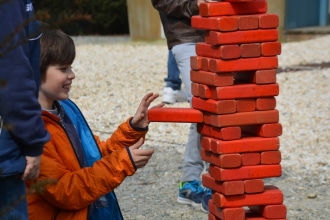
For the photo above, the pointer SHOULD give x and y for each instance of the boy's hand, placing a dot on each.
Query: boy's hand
(140, 118)
(140, 156)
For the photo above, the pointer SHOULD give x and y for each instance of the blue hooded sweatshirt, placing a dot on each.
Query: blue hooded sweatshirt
(22, 131)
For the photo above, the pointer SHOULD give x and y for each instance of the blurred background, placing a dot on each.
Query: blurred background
(299, 19)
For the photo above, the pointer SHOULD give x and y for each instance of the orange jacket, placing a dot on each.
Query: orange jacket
(76, 188)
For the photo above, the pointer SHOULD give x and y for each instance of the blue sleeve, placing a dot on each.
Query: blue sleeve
(19, 107)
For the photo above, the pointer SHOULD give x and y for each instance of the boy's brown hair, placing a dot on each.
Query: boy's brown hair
(57, 48)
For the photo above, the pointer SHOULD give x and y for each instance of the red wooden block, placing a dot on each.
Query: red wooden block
(205, 63)
(227, 133)
(210, 78)
(223, 23)
(271, 196)
(196, 62)
(254, 186)
(226, 188)
(215, 106)
(205, 142)
(245, 118)
(230, 133)
(271, 157)
(194, 89)
(233, 188)
(268, 21)
(243, 64)
(266, 103)
(248, 22)
(187, 115)
(245, 172)
(225, 161)
(207, 36)
(270, 211)
(264, 130)
(250, 50)
(270, 49)
(242, 91)
(207, 117)
(257, 77)
(236, 8)
(245, 105)
(250, 159)
(244, 145)
(206, 156)
(230, 161)
(200, 90)
(236, 213)
(221, 52)
(204, 91)
(241, 37)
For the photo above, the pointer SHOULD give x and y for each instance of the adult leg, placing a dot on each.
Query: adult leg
(193, 165)
(191, 190)
(172, 92)
(13, 203)
(173, 79)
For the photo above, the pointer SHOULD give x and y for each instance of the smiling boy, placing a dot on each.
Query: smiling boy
(86, 169)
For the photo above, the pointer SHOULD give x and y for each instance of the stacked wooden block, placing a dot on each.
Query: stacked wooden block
(234, 86)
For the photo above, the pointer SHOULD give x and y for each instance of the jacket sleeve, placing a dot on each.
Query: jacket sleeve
(76, 187)
(124, 136)
(177, 8)
(19, 107)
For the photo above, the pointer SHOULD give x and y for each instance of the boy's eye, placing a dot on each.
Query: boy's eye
(66, 68)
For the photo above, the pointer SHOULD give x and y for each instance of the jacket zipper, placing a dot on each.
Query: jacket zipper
(62, 126)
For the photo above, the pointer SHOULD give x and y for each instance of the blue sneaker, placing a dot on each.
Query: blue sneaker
(205, 200)
(190, 193)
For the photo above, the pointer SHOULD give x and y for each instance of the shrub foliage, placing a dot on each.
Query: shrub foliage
(85, 17)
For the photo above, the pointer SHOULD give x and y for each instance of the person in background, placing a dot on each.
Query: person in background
(85, 169)
(22, 131)
(172, 92)
(181, 40)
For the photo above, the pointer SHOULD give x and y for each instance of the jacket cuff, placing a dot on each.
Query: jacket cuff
(130, 157)
(137, 128)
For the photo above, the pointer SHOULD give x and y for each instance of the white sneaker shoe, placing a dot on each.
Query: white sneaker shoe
(171, 96)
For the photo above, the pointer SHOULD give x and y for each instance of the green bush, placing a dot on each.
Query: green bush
(85, 17)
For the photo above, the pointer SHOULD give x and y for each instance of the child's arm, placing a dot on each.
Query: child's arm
(76, 187)
(129, 132)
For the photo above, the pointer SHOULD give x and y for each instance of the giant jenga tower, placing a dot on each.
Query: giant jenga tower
(234, 87)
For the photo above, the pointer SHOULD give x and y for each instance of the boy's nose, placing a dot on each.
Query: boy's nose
(71, 75)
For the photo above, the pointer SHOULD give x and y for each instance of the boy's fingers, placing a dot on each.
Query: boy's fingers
(137, 144)
(160, 105)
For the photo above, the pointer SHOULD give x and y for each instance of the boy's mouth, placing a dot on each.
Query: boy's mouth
(67, 86)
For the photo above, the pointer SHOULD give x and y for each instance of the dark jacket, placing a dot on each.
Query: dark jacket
(22, 131)
(176, 16)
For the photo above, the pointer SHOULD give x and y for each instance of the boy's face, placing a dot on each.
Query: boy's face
(56, 84)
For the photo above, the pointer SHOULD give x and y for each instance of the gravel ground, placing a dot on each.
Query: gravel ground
(113, 74)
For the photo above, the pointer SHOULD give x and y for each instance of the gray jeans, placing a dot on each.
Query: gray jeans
(193, 165)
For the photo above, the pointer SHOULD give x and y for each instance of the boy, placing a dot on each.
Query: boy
(86, 170)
